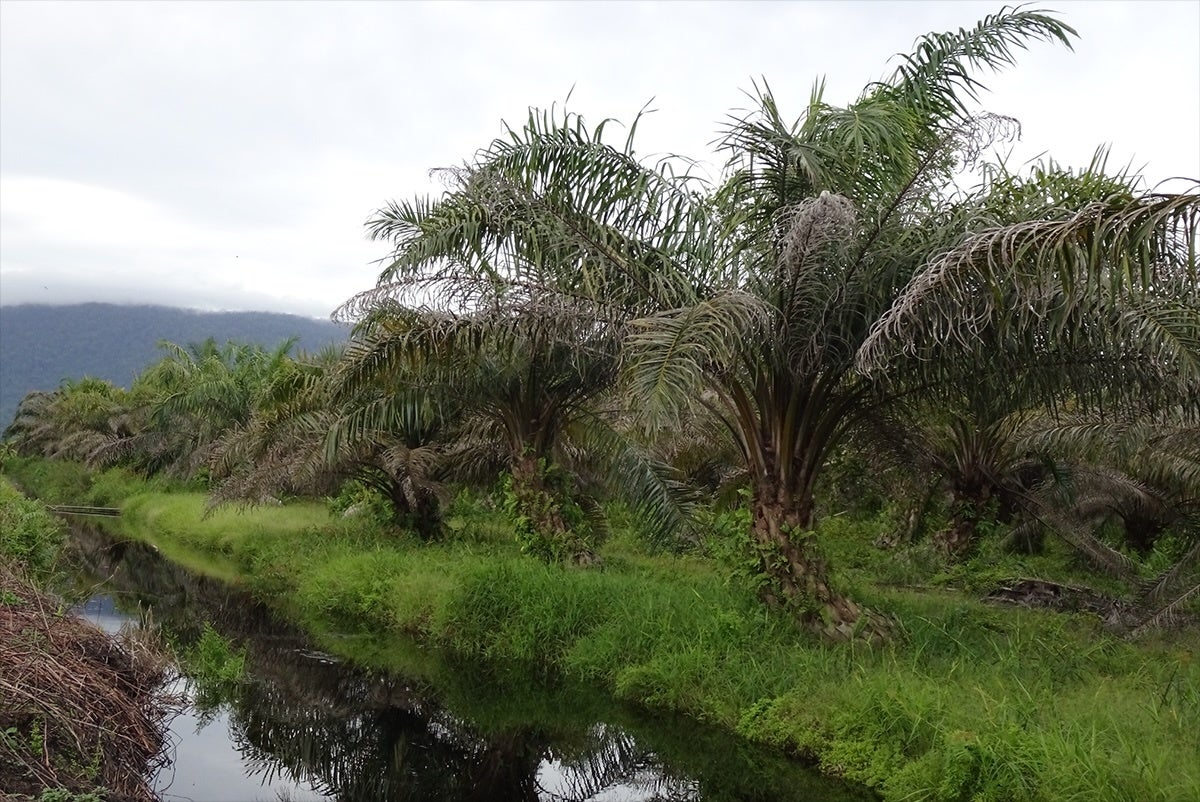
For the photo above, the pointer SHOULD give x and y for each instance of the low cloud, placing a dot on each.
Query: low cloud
(226, 155)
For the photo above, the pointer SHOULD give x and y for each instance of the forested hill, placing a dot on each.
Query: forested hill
(40, 345)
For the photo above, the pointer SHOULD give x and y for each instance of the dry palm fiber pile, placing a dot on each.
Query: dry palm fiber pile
(79, 709)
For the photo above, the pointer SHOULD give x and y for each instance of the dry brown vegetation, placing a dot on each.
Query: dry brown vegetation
(79, 709)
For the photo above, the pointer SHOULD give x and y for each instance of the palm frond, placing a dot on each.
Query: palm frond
(553, 206)
(1095, 551)
(1169, 581)
(1035, 276)
(668, 355)
(1165, 615)
(664, 505)
(938, 77)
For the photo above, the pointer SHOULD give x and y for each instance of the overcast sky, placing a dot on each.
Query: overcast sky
(225, 155)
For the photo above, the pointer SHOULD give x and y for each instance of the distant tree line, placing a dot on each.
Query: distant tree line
(42, 344)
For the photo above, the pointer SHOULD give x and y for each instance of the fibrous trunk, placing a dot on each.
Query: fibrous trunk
(968, 507)
(1141, 533)
(796, 576)
(542, 526)
(416, 506)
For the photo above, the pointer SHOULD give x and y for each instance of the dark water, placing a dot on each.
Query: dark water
(310, 726)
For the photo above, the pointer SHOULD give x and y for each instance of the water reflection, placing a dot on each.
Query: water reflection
(310, 725)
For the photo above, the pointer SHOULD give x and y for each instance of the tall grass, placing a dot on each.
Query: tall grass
(973, 703)
(29, 535)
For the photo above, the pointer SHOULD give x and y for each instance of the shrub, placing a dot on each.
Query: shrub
(28, 533)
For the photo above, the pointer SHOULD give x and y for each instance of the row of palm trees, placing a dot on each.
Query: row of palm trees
(858, 278)
(169, 422)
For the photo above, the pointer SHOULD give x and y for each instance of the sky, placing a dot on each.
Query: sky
(225, 156)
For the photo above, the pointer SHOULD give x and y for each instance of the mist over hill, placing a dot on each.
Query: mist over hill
(40, 345)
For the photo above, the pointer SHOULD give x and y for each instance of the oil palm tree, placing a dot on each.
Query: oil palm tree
(75, 422)
(506, 296)
(197, 393)
(1140, 472)
(303, 439)
(871, 274)
(837, 267)
(526, 385)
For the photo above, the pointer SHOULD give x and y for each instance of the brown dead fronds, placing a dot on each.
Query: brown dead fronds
(79, 709)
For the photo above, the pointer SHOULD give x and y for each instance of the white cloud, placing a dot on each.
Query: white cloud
(227, 154)
(64, 240)
(80, 215)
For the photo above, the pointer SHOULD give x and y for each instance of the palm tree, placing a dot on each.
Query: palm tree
(195, 395)
(854, 242)
(78, 421)
(1141, 471)
(520, 381)
(497, 300)
(303, 439)
(837, 267)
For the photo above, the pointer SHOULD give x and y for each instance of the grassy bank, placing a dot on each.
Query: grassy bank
(975, 702)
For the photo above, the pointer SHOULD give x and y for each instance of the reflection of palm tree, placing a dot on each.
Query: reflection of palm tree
(360, 735)
(613, 758)
(504, 766)
(353, 751)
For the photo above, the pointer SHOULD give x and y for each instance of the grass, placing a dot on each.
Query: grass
(29, 535)
(974, 703)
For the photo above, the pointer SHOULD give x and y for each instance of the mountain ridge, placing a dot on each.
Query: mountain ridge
(43, 344)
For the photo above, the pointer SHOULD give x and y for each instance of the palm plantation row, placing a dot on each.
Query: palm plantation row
(1013, 353)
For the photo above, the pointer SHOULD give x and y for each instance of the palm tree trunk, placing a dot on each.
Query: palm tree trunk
(534, 498)
(415, 507)
(968, 507)
(426, 511)
(796, 576)
(1141, 533)
(543, 528)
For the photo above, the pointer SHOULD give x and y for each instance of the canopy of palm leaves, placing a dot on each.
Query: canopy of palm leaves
(837, 266)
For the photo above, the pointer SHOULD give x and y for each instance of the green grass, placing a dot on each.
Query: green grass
(983, 705)
(29, 535)
(974, 703)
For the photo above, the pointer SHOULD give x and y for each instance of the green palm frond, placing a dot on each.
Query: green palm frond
(1169, 581)
(400, 417)
(1165, 615)
(1135, 256)
(550, 206)
(1166, 329)
(876, 148)
(1171, 592)
(1081, 537)
(938, 77)
(669, 356)
(665, 506)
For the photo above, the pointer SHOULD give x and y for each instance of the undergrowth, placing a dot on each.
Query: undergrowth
(972, 703)
(29, 535)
